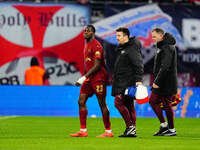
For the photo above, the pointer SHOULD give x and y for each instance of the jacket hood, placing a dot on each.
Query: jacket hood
(131, 40)
(167, 39)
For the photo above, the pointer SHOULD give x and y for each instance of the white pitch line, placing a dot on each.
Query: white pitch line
(7, 117)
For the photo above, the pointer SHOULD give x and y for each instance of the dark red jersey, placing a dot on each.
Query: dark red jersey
(92, 51)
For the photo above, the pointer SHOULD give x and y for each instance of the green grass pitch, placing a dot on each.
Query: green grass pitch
(52, 133)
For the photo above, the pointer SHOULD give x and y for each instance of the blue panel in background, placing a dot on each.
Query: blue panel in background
(63, 101)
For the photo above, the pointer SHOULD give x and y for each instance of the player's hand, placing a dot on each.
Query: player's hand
(155, 86)
(80, 81)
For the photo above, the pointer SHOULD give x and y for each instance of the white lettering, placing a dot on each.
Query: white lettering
(191, 33)
(192, 58)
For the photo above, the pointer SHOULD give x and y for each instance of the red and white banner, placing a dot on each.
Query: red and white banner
(52, 33)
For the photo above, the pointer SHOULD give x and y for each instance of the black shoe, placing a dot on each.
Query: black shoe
(129, 132)
(161, 131)
(169, 133)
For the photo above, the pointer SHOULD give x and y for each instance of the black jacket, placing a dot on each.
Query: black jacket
(165, 66)
(128, 67)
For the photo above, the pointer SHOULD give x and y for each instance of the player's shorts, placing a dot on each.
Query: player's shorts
(90, 88)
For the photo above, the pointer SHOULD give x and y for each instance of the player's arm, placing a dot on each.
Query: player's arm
(94, 69)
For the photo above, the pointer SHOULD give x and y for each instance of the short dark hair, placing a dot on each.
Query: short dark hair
(159, 30)
(92, 27)
(34, 61)
(124, 30)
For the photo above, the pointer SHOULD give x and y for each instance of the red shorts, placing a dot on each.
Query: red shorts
(97, 87)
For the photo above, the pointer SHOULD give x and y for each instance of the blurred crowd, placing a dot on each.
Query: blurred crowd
(147, 1)
(84, 2)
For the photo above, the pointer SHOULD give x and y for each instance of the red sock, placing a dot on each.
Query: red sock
(83, 118)
(106, 121)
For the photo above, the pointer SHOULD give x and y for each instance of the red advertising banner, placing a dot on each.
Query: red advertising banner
(52, 33)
